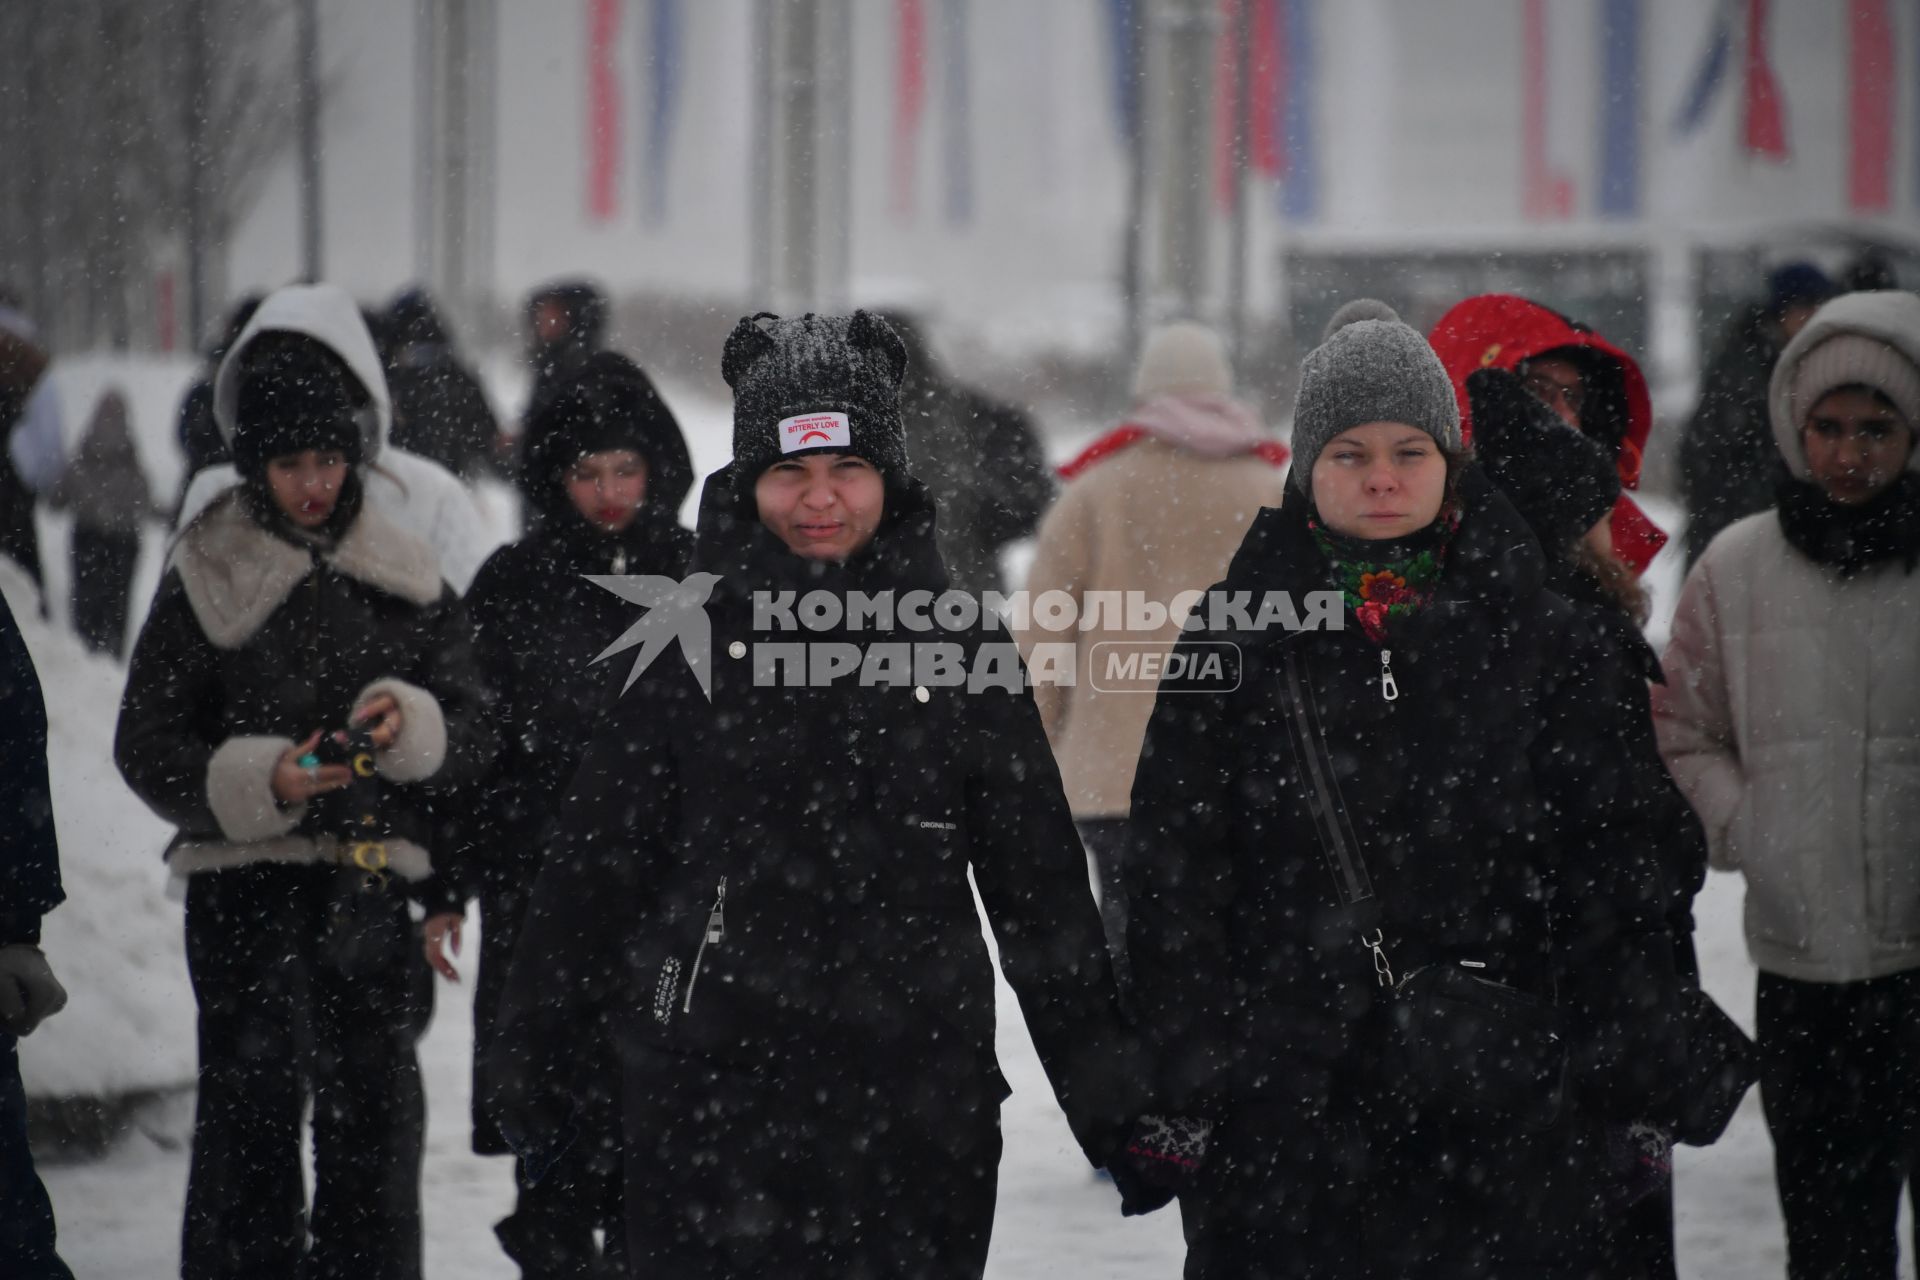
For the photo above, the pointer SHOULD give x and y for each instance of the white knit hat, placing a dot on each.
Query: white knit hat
(1853, 359)
(1858, 339)
(1184, 358)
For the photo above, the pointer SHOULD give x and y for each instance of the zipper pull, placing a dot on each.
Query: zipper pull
(620, 560)
(1389, 690)
(1382, 970)
(715, 934)
(716, 919)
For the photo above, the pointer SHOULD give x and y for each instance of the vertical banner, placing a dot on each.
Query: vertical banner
(909, 101)
(1548, 193)
(662, 62)
(165, 311)
(957, 104)
(1126, 69)
(603, 110)
(1709, 73)
(1262, 99)
(1871, 90)
(1620, 108)
(1765, 130)
(1298, 60)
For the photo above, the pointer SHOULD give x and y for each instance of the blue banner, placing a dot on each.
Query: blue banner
(1620, 108)
(662, 62)
(1707, 77)
(1300, 188)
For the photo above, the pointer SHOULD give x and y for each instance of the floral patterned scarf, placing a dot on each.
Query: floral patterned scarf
(1386, 582)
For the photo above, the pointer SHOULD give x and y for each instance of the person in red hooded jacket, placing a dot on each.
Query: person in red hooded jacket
(1595, 387)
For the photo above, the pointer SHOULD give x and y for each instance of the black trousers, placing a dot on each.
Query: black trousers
(1840, 1078)
(309, 988)
(826, 1176)
(102, 581)
(1105, 840)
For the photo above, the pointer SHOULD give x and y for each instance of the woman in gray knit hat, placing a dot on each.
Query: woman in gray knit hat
(1425, 800)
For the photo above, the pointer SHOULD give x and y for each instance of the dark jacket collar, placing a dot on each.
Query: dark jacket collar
(729, 540)
(1493, 561)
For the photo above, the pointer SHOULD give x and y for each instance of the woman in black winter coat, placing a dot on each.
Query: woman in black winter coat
(1471, 731)
(1564, 486)
(761, 882)
(291, 614)
(607, 471)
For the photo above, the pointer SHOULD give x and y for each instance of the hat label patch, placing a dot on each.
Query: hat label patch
(815, 431)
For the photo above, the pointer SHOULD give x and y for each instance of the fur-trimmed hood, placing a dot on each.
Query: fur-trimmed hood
(326, 314)
(236, 573)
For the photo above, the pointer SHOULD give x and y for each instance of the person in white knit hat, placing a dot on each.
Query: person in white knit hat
(1791, 718)
(1156, 506)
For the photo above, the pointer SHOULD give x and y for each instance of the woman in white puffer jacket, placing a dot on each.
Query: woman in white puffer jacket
(1791, 718)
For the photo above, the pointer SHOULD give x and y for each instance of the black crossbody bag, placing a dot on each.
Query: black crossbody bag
(1460, 1043)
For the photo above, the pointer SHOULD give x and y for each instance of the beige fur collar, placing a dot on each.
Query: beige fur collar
(236, 573)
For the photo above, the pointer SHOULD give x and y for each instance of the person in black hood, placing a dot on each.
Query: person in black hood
(761, 881)
(1729, 463)
(300, 694)
(440, 410)
(1428, 797)
(980, 457)
(566, 323)
(606, 476)
(1564, 486)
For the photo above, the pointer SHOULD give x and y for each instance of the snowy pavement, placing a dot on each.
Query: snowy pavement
(119, 1217)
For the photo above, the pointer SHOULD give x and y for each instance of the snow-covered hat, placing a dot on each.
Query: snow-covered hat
(816, 384)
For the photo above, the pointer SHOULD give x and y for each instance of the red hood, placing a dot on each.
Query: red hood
(1499, 331)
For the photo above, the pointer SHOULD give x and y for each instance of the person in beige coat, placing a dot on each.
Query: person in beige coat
(1791, 718)
(1155, 507)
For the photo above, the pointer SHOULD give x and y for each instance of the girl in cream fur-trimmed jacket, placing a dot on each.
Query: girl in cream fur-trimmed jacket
(290, 613)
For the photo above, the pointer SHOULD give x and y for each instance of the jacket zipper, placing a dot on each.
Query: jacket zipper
(1389, 689)
(715, 932)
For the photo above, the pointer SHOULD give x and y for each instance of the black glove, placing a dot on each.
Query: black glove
(1721, 1066)
(538, 1119)
(1161, 1158)
(29, 993)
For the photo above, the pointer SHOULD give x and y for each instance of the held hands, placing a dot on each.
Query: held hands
(1160, 1160)
(29, 993)
(298, 777)
(442, 942)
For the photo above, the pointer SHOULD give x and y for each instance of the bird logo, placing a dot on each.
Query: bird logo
(675, 610)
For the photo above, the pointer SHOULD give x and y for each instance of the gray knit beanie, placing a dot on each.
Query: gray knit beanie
(1374, 369)
(1357, 309)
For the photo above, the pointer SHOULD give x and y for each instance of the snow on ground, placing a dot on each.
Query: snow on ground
(117, 945)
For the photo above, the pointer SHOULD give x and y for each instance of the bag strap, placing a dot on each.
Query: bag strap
(1338, 843)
